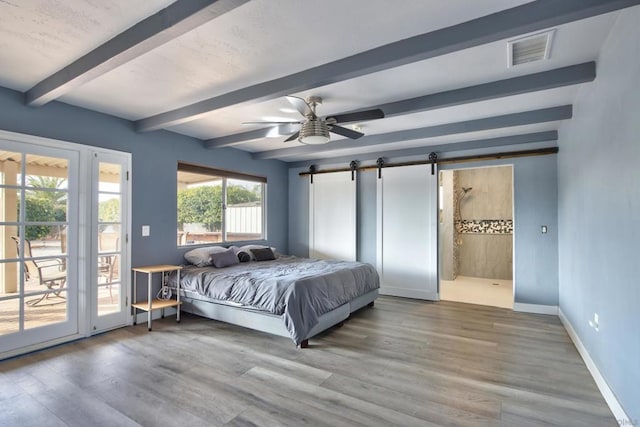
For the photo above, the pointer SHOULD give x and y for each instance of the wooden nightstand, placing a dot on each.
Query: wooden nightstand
(151, 303)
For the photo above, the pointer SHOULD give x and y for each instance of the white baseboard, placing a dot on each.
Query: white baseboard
(605, 390)
(536, 308)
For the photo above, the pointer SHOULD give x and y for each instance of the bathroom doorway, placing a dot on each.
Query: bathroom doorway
(476, 235)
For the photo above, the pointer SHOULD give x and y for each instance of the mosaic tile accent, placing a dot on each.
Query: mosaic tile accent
(485, 226)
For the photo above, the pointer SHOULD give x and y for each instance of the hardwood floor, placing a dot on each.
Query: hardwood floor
(404, 362)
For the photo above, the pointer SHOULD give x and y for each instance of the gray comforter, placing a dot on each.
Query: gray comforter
(299, 289)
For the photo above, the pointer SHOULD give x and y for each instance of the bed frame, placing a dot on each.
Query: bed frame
(267, 322)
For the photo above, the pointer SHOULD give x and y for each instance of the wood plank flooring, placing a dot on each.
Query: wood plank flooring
(404, 362)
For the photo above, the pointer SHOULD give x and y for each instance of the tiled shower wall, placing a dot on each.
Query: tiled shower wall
(484, 233)
(447, 239)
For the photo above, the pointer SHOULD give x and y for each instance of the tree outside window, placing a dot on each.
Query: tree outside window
(204, 216)
(44, 205)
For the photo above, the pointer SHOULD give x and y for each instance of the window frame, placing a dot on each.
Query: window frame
(225, 175)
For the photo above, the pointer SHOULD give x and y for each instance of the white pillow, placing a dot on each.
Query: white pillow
(247, 249)
(201, 256)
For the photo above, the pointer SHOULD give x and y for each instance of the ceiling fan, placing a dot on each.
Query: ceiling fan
(315, 130)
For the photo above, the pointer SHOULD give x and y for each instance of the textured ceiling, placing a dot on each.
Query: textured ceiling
(39, 37)
(263, 40)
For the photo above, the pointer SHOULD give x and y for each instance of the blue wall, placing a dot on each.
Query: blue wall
(154, 158)
(536, 204)
(535, 188)
(599, 213)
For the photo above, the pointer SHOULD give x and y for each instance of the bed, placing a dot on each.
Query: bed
(287, 296)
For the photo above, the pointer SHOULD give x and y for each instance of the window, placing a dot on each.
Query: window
(219, 206)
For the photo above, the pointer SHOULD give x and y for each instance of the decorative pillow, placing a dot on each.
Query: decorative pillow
(224, 259)
(243, 256)
(200, 256)
(264, 254)
(248, 248)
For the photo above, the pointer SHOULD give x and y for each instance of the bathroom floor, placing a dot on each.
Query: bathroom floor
(477, 290)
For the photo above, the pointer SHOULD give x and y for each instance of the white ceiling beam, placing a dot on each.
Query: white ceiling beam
(522, 19)
(497, 122)
(173, 21)
(552, 79)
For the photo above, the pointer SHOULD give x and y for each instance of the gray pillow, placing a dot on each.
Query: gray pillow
(224, 259)
(264, 254)
(201, 256)
(243, 256)
(247, 249)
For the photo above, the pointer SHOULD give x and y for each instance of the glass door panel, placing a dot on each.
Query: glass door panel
(38, 282)
(108, 269)
(110, 234)
(10, 269)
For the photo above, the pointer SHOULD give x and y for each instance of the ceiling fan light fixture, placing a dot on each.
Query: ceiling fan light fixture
(314, 132)
(314, 139)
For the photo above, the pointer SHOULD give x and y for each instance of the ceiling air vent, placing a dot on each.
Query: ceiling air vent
(530, 48)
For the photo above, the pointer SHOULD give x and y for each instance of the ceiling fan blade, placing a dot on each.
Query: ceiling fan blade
(293, 137)
(358, 116)
(280, 130)
(301, 105)
(345, 132)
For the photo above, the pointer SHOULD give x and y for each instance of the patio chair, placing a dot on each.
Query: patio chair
(49, 272)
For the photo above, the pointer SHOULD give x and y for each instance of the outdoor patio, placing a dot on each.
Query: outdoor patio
(48, 313)
(53, 308)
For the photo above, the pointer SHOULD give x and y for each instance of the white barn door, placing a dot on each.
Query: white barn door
(332, 216)
(407, 232)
